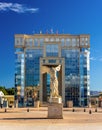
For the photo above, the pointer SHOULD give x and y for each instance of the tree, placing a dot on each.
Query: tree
(10, 91)
(2, 88)
(7, 91)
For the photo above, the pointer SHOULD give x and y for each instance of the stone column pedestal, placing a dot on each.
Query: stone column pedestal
(70, 104)
(36, 104)
(16, 103)
(55, 111)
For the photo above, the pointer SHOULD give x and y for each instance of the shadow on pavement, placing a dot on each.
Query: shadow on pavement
(24, 118)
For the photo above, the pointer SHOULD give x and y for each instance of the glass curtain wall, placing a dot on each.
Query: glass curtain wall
(71, 75)
(32, 64)
(52, 50)
(84, 76)
(32, 71)
(74, 49)
(19, 75)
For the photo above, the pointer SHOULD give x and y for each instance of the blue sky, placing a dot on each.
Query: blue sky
(66, 16)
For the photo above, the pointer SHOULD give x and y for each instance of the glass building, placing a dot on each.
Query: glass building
(33, 52)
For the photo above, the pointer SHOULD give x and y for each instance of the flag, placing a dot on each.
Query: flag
(51, 31)
(57, 32)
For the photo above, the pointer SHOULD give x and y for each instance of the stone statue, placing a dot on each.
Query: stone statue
(54, 81)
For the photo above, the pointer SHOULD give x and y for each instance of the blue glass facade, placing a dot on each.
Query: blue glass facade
(52, 50)
(32, 64)
(75, 51)
(84, 76)
(72, 74)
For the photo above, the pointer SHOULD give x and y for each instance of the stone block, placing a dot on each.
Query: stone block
(55, 111)
(70, 104)
(55, 100)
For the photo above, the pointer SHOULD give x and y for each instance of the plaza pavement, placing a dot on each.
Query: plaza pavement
(36, 119)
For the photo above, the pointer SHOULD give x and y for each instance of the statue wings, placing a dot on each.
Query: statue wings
(46, 69)
(58, 67)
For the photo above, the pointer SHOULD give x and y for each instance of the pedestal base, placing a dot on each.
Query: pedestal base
(70, 104)
(55, 100)
(55, 111)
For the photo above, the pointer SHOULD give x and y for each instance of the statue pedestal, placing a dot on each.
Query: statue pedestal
(55, 100)
(55, 111)
(55, 108)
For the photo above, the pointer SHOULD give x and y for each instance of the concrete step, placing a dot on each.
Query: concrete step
(44, 104)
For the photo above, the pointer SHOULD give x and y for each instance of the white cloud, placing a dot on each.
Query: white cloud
(92, 58)
(15, 7)
(96, 59)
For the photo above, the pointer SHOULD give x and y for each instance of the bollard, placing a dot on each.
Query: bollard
(28, 110)
(90, 112)
(96, 110)
(84, 110)
(73, 110)
(5, 110)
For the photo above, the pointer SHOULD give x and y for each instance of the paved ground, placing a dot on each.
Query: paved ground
(36, 119)
(50, 127)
